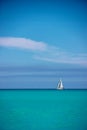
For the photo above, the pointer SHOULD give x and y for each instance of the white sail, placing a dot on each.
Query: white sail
(60, 85)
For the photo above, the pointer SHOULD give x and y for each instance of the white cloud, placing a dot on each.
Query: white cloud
(57, 56)
(22, 43)
(66, 60)
(44, 51)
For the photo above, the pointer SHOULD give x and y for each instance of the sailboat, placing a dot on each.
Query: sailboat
(60, 85)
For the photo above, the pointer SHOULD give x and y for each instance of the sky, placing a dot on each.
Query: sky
(38, 38)
(39, 32)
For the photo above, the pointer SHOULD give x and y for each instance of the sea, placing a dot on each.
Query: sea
(43, 110)
(29, 99)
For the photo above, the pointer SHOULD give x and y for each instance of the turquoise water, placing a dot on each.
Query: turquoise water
(43, 110)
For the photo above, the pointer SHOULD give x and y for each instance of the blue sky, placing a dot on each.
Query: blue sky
(43, 32)
(39, 36)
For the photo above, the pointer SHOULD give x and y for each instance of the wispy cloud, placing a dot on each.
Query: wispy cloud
(45, 52)
(56, 55)
(22, 43)
(66, 59)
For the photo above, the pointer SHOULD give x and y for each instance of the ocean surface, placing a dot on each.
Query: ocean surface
(43, 110)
